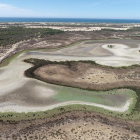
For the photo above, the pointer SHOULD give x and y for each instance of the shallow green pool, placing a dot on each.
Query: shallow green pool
(116, 97)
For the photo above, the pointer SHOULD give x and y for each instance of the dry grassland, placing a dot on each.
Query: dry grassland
(88, 76)
(69, 126)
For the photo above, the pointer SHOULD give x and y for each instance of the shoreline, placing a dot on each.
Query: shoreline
(18, 109)
(11, 53)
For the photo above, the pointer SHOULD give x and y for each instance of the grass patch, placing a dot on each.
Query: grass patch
(112, 98)
(7, 61)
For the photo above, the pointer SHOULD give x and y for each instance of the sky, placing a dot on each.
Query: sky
(110, 9)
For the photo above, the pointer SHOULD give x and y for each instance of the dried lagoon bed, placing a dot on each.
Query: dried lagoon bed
(17, 77)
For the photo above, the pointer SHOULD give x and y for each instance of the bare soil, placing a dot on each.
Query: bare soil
(89, 76)
(70, 126)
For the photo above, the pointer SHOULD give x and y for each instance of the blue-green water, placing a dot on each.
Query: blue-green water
(76, 20)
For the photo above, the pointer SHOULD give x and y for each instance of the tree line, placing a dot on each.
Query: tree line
(13, 35)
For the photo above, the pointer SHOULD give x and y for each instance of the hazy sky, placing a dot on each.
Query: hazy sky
(128, 9)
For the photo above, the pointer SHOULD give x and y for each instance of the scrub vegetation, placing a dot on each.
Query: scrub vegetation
(84, 72)
(13, 35)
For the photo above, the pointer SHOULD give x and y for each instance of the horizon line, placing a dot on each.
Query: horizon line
(76, 18)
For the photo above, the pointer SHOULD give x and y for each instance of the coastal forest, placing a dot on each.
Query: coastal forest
(13, 35)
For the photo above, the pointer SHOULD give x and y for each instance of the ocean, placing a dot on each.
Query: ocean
(68, 20)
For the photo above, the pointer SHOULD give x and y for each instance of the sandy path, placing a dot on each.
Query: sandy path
(4, 55)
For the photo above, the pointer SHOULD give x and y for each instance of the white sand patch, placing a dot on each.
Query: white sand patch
(11, 107)
(122, 50)
(9, 86)
(43, 92)
(66, 28)
(116, 63)
(123, 55)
